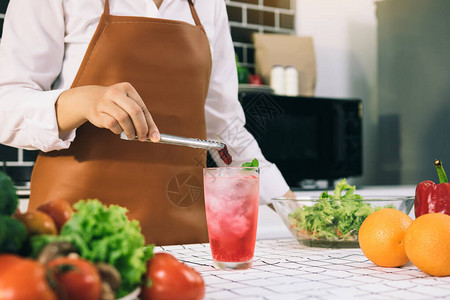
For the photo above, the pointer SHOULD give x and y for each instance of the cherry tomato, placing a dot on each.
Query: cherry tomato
(78, 278)
(6, 260)
(23, 279)
(170, 279)
(37, 222)
(60, 210)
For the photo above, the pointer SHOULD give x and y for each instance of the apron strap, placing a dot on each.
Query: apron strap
(106, 8)
(194, 14)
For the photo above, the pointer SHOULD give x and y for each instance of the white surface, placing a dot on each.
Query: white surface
(345, 42)
(24, 194)
(134, 295)
(270, 225)
(284, 269)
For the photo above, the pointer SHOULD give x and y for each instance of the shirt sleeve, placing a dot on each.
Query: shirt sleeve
(31, 56)
(225, 116)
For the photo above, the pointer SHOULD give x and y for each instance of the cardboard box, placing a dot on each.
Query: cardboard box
(286, 50)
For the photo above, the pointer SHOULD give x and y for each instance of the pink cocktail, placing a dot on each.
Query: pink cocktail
(231, 200)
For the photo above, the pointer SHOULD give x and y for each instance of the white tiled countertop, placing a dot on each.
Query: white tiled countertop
(284, 269)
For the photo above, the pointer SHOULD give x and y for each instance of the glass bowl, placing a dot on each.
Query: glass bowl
(329, 223)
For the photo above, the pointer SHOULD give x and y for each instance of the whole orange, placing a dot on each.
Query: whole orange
(427, 244)
(381, 237)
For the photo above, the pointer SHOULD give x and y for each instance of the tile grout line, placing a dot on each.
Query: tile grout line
(260, 27)
(240, 44)
(277, 19)
(17, 164)
(262, 7)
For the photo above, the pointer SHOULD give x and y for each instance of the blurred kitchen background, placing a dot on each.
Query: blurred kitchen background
(394, 55)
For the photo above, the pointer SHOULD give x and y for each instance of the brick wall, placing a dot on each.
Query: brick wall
(262, 16)
(246, 17)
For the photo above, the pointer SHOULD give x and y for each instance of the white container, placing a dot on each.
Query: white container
(290, 81)
(277, 79)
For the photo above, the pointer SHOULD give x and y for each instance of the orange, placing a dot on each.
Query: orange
(381, 237)
(427, 244)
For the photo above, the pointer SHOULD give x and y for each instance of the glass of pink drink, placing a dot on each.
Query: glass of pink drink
(231, 201)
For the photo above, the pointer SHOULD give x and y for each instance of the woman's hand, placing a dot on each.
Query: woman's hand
(289, 194)
(117, 107)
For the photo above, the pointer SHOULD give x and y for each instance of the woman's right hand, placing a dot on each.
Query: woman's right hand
(117, 107)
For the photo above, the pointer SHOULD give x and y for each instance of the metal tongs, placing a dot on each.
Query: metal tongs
(181, 141)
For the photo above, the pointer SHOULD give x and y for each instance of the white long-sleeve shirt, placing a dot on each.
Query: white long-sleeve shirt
(43, 45)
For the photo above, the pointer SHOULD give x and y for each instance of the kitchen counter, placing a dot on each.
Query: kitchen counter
(284, 269)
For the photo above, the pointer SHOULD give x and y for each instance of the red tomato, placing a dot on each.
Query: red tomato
(23, 279)
(37, 222)
(60, 210)
(6, 260)
(78, 278)
(171, 279)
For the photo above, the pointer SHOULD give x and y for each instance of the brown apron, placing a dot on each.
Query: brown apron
(169, 64)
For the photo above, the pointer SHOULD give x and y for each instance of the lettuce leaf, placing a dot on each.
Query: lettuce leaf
(341, 187)
(334, 216)
(105, 234)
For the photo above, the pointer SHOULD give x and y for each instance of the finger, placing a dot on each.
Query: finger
(121, 117)
(153, 131)
(111, 123)
(135, 114)
(152, 128)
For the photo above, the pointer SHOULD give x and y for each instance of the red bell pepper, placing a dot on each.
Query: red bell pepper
(431, 197)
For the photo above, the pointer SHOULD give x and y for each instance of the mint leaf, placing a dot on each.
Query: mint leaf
(253, 164)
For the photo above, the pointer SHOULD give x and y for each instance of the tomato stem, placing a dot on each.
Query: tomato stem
(63, 268)
(51, 280)
(440, 171)
(148, 283)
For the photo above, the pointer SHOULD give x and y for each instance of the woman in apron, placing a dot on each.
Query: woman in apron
(140, 75)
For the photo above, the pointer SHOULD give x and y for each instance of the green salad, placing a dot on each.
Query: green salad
(103, 233)
(335, 216)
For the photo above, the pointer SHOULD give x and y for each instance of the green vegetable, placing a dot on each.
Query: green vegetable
(333, 217)
(8, 196)
(341, 187)
(12, 232)
(12, 235)
(253, 164)
(105, 234)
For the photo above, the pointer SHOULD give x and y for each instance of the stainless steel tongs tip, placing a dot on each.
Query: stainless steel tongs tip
(181, 141)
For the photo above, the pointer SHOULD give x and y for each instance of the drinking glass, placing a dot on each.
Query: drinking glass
(231, 201)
